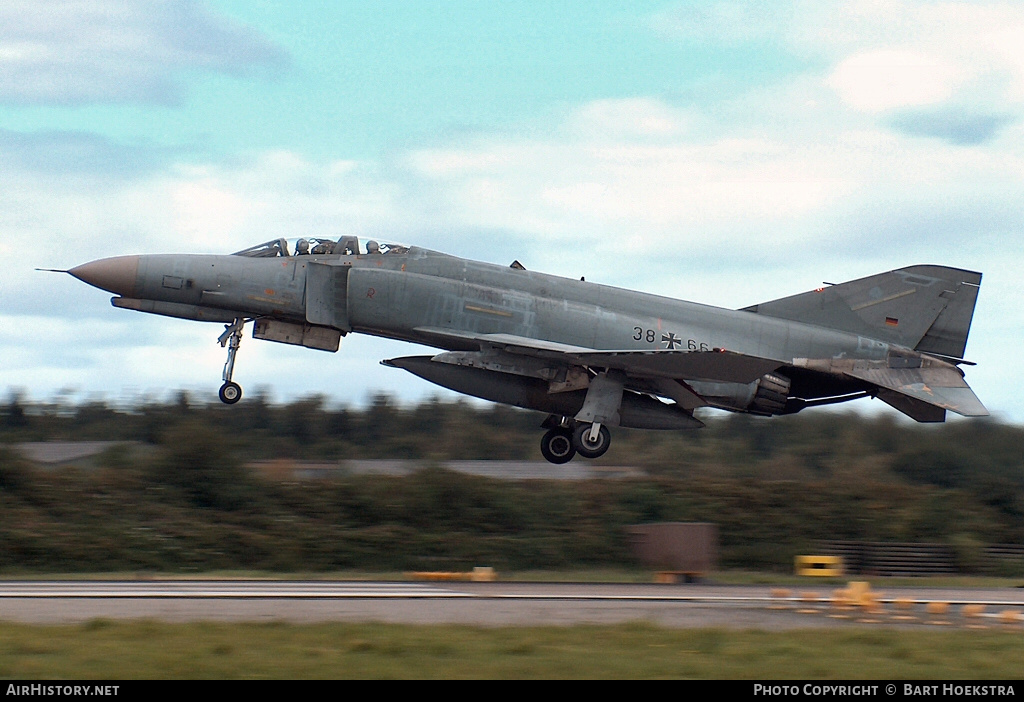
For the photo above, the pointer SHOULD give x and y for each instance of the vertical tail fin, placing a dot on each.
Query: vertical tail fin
(928, 308)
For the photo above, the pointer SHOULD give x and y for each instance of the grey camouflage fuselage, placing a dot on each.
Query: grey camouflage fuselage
(580, 351)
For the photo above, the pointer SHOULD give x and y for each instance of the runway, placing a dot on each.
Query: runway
(489, 604)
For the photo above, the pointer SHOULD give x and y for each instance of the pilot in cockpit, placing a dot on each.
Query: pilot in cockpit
(347, 245)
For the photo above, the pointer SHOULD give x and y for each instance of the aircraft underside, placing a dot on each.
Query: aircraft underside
(578, 419)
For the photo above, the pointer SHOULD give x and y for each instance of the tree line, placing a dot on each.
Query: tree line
(181, 499)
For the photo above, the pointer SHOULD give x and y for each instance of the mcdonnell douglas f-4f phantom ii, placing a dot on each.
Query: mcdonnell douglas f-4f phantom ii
(590, 356)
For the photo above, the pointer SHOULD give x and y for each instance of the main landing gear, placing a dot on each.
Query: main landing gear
(231, 392)
(557, 446)
(591, 440)
(586, 433)
(566, 437)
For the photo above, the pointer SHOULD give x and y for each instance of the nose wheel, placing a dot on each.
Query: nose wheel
(231, 392)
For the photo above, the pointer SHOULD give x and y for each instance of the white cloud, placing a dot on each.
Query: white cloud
(201, 208)
(686, 192)
(875, 81)
(117, 50)
(904, 53)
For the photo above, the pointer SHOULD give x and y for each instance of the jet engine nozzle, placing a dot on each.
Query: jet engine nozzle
(116, 275)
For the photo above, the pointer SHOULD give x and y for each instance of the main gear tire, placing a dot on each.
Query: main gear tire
(591, 449)
(557, 446)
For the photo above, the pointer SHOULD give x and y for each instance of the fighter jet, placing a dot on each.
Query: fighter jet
(589, 356)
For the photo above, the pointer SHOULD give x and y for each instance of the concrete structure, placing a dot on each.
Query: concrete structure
(677, 548)
(67, 453)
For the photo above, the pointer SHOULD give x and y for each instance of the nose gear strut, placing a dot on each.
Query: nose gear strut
(231, 392)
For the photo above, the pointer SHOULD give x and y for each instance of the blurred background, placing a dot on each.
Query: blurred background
(186, 486)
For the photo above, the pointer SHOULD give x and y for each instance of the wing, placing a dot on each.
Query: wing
(921, 387)
(718, 365)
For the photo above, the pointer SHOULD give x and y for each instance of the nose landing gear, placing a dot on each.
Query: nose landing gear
(231, 392)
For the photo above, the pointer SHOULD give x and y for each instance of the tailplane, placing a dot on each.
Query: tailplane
(927, 308)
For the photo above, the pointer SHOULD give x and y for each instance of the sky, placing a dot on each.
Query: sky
(723, 152)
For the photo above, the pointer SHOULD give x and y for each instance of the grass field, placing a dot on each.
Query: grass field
(103, 649)
(118, 650)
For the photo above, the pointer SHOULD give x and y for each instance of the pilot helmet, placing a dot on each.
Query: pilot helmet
(372, 247)
(302, 246)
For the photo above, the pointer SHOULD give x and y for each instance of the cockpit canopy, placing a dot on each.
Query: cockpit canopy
(345, 246)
